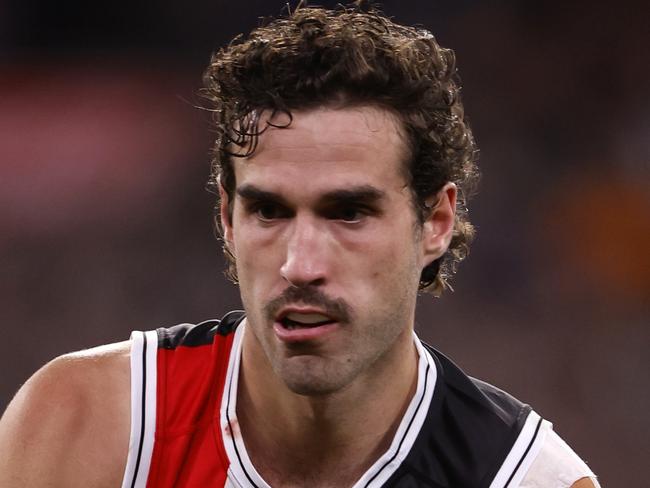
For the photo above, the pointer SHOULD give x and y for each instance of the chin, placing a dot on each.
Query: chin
(311, 389)
(303, 377)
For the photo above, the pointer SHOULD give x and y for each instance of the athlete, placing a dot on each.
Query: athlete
(343, 163)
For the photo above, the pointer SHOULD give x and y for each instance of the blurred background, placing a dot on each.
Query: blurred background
(105, 226)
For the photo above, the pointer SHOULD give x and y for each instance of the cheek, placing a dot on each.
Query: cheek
(252, 263)
(258, 260)
(398, 264)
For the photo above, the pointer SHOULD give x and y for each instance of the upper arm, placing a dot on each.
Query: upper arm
(57, 431)
(41, 425)
(584, 483)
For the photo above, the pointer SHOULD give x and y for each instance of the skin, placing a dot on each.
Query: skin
(292, 207)
(368, 255)
(68, 426)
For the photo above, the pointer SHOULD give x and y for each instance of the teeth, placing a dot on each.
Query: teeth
(307, 318)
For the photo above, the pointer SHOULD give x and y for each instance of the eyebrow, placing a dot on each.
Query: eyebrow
(252, 192)
(362, 193)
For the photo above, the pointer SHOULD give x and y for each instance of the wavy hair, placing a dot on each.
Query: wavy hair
(314, 57)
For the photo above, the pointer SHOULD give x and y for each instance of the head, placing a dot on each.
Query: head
(317, 57)
(343, 161)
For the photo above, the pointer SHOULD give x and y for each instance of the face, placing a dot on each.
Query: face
(328, 248)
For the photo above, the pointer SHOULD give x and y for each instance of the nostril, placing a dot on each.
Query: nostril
(317, 282)
(293, 285)
(302, 282)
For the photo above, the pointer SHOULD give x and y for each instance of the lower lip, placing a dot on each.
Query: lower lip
(303, 334)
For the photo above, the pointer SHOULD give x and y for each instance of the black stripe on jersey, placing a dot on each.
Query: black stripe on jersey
(408, 428)
(521, 460)
(230, 321)
(232, 434)
(188, 335)
(144, 404)
(201, 334)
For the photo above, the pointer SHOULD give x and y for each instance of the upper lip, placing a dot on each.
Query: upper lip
(295, 309)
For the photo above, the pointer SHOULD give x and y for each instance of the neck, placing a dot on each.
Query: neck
(321, 437)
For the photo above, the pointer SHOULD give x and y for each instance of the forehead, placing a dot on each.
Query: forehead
(328, 144)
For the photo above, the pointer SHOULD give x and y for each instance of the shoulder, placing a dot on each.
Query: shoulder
(472, 431)
(558, 465)
(473, 401)
(509, 442)
(69, 423)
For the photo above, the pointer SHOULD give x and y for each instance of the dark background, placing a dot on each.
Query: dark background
(105, 226)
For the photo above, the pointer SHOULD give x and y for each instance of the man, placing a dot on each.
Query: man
(343, 162)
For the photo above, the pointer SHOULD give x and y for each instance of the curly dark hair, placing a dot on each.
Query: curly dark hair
(314, 57)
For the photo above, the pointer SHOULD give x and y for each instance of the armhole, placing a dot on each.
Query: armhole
(144, 349)
(523, 452)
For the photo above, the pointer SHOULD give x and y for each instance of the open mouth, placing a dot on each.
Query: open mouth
(297, 320)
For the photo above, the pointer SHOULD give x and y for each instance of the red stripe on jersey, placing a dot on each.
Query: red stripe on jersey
(188, 449)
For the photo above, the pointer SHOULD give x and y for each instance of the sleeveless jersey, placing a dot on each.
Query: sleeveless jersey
(457, 432)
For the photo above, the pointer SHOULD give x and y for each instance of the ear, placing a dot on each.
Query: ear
(438, 227)
(224, 213)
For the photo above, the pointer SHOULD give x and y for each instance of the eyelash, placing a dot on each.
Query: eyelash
(334, 213)
(359, 211)
(257, 209)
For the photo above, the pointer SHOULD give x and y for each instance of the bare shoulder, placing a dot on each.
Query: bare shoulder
(69, 423)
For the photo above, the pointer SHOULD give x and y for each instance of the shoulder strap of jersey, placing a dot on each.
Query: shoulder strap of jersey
(475, 435)
(144, 349)
(144, 353)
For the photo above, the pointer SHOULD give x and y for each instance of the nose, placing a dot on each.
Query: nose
(307, 261)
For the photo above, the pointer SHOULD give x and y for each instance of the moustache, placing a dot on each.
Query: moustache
(336, 308)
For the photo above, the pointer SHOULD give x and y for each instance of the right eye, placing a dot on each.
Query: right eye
(267, 212)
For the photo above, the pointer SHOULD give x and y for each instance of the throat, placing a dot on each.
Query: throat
(320, 462)
(315, 449)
